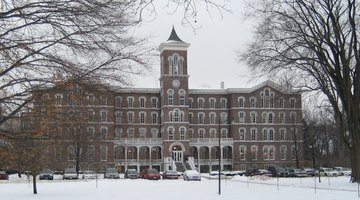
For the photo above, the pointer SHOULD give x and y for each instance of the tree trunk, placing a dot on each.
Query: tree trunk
(34, 184)
(355, 161)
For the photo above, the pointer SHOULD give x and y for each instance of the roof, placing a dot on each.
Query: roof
(174, 36)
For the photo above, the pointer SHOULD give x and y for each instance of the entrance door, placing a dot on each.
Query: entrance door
(177, 153)
(177, 156)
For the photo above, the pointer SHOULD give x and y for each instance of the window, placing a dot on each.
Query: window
(242, 134)
(223, 103)
(201, 103)
(182, 97)
(131, 133)
(182, 133)
(154, 102)
(282, 102)
(118, 132)
(118, 152)
(91, 99)
(267, 98)
(91, 153)
(241, 117)
(271, 153)
(242, 152)
(118, 116)
(142, 117)
(190, 118)
(58, 99)
(117, 102)
(103, 133)
(254, 150)
(283, 152)
(212, 118)
(170, 97)
(213, 133)
(293, 117)
(282, 134)
(212, 103)
(103, 153)
(265, 134)
(91, 116)
(265, 153)
(224, 133)
(103, 115)
(103, 100)
(154, 117)
(282, 118)
(271, 135)
(154, 133)
(292, 103)
(252, 102)
(241, 102)
(201, 133)
(176, 115)
(130, 117)
(293, 152)
(253, 134)
(171, 133)
(201, 118)
(142, 102)
(130, 102)
(91, 132)
(253, 117)
(190, 102)
(142, 133)
(270, 118)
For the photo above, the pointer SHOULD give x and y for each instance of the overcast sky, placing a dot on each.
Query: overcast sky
(212, 52)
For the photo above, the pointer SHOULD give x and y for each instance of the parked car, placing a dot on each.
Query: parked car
(257, 172)
(132, 174)
(170, 174)
(89, 174)
(300, 173)
(278, 171)
(70, 173)
(324, 171)
(46, 174)
(111, 173)
(309, 171)
(4, 175)
(191, 175)
(149, 173)
(290, 172)
(343, 171)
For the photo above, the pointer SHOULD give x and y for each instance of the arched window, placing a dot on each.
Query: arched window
(182, 133)
(170, 97)
(242, 152)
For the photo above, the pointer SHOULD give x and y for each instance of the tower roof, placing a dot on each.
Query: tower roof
(174, 36)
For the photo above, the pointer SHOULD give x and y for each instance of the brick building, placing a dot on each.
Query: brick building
(174, 126)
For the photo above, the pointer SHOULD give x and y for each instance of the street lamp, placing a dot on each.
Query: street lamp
(219, 175)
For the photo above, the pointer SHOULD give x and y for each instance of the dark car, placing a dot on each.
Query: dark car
(4, 175)
(131, 174)
(310, 171)
(278, 171)
(257, 172)
(170, 174)
(111, 173)
(152, 174)
(46, 174)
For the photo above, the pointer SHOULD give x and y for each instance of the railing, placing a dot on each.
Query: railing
(138, 161)
(147, 141)
(211, 141)
(191, 163)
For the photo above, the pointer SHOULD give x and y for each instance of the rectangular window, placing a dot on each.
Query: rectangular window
(253, 134)
(201, 103)
(242, 134)
(201, 118)
(252, 102)
(242, 153)
(190, 102)
(212, 103)
(130, 117)
(223, 103)
(118, 115)
(282, 134)
(154, 102)
(241, 102)
(292, 103)
(190, 118)
(118, 132)
(142, 102)
(241, 117)
(103, 101)
(282, 103)
(253, 118)
(201, 133)
(154, 118)
(103, 115)
(282, 118)
(212, 118)
(103, 133)
(130, 102)
(118, 102)
(142, 118)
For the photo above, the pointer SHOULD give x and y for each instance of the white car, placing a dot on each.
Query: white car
(328, 172)
(89, 174)
(191, 175)
(344, 171)
(70, 173)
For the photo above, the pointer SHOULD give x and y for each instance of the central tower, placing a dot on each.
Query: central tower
(174, 88)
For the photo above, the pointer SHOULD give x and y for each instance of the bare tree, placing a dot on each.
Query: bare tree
(319, 42)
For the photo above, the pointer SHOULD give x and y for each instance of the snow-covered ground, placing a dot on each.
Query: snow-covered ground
(239, 187)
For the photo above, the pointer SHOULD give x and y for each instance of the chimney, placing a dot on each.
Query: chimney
(222, 85)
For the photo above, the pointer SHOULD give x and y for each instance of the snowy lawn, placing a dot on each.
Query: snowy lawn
(254, 188)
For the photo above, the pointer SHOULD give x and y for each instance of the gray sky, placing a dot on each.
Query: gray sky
(212, 52)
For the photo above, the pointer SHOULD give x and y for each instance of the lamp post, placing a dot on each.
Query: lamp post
(219, 175)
